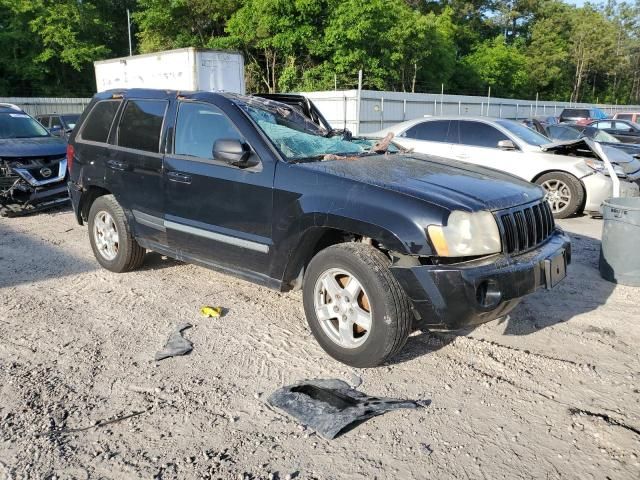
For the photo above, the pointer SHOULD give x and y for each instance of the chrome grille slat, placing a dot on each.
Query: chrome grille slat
(526, 227)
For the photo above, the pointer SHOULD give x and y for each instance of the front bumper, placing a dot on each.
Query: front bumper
(451, 296)
(599, 188)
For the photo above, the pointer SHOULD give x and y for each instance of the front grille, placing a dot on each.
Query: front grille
(36, 172)
(526, 227)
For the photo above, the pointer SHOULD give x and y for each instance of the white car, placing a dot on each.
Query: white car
(572, 173)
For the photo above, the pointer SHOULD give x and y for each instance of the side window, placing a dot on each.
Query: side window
(44, 120)
(479, 134)
(603, 125)
(98, 123)
(622, 127)
(624, 116)
(432, 131)
(140, 125)
(198, 127)
(55, 122)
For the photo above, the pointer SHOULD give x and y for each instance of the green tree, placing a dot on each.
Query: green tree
(167, 24)
(395, 46)
(499, 65)
(278, 37)
(52, 45)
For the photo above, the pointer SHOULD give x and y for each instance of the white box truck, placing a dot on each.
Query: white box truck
(181, 69)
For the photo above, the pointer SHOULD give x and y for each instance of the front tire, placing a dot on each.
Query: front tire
(355, 308)
(564, 193)
(111, 238)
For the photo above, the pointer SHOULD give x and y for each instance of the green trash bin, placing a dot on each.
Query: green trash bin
(620, 247)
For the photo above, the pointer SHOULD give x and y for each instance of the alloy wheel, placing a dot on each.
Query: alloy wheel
(106, 235)
(558, 195)
(342, 307)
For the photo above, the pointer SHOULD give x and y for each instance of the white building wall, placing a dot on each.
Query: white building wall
(379, 110)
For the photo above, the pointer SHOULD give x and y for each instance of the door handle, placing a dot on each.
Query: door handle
(179, 177)
(117, 165)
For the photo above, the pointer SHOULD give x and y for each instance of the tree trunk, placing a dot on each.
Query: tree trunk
(415, 74)
(273, 73)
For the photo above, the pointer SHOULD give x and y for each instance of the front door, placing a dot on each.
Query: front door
(215, 212)
(478, 144)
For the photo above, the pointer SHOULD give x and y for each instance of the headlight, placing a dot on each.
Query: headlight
(598, 166)
(466, 234)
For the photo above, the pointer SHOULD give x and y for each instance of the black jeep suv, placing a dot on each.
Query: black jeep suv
(379, 240)
(33, 166)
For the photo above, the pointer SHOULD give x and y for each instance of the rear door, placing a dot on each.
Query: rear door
(92, 150)
(433, 137)
(215, 212)
(134, 171)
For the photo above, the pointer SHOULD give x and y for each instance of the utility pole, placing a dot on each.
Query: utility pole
(359, 99)
(488, 100)
(129, 31)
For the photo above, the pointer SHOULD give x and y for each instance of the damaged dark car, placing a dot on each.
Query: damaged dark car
(380, 240)
(33, 166)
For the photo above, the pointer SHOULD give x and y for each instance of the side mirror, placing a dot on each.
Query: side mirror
(234, 153)
(506, 145)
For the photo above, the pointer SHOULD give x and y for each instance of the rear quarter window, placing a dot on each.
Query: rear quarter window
(141, 124)
(98, 124)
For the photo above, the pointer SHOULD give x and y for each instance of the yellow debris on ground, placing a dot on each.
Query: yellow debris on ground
(211, 312)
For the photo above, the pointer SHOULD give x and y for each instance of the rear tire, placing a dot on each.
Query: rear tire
(111, 238)
(361, 324)
(564, 193)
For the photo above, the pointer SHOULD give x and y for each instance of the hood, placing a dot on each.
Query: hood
(565, 146)
(32, 147)
(448, 183)
(632, 149)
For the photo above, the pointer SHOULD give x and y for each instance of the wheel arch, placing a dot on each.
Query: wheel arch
(565, 172)
(89, 195)
(316, 239)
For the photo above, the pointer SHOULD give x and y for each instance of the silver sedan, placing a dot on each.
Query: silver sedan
(572, 173)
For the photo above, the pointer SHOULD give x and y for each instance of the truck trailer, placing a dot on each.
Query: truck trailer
(181, 69)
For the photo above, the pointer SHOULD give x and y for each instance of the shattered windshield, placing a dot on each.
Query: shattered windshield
(297, 137)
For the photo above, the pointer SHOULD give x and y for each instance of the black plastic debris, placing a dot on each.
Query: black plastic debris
(332, 407)
(176, 345)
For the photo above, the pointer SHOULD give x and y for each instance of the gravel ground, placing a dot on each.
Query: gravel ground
(552, 391)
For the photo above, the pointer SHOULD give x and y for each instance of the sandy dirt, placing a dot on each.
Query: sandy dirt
(552, 391)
